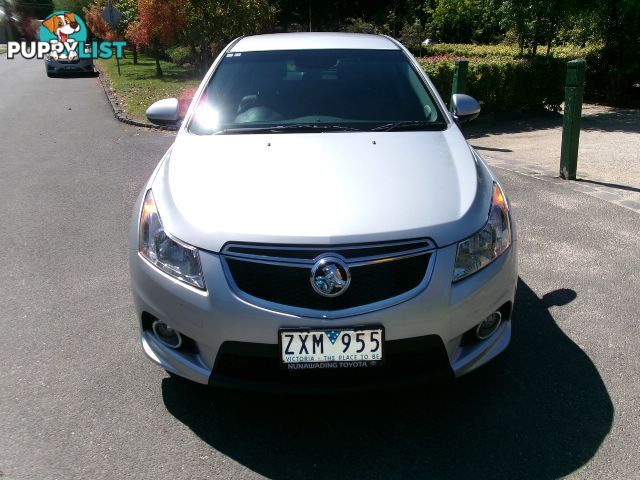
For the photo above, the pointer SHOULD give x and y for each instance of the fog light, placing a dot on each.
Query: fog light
(167, 335)
(488, 326)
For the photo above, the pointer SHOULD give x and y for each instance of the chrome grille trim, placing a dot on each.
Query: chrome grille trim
(327, 250)
(357, 262)
(428, 249)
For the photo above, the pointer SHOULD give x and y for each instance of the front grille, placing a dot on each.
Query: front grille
(281, 275)
(419, 357)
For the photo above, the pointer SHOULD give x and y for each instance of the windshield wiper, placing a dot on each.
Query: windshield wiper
(411, 125)
(299, 128)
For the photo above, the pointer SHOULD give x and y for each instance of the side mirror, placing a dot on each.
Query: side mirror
(164, 112)
(464, 108)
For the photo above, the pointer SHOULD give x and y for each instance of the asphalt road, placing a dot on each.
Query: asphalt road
(79, 400)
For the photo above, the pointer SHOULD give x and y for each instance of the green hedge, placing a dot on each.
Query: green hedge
(468, 50)
(180, 55)
(506, 85)
(504, 82)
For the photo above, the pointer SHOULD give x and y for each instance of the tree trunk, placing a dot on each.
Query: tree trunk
(521, 43)
(536, 38)
(194, 55)
(205, 55)
(156, 53)
(134, 51)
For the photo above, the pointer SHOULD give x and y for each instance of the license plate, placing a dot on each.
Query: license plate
(302, 349)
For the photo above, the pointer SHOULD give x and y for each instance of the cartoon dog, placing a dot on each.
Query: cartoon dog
(62, 26)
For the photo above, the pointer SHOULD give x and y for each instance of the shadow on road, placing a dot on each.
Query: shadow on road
(603, 119)
(610, 185)
(539, 411)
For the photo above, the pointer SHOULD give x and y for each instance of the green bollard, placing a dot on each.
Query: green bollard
(459, 78)
(573, 91)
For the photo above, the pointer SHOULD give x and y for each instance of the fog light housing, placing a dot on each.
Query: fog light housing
(167, 335)
(488, 326)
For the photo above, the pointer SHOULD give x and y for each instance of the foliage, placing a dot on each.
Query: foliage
(359, 25)
(158, 22)
(620, 23)
(412, 35)
(465, 20)
(213, 23)
(34, 8)
(129, 11)
(180, 55)
(604, 32)
(157, 25)
(223, 20)
(76, 6)
(568, 52)
(534, 21)
(98, 27)
(508, 54)
(505, 84)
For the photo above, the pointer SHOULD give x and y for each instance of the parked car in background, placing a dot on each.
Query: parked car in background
(65, 66)
(320, 221)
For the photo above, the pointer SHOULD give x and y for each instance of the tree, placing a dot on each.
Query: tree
(95, 23)
(464, 21)
(129, 11)
(101, 29)
(535, 21)
(158, 24)
(76, 6)
(412, 34)
(359, 25)
(620, 20)
(20, 18)
(33, 8)
(216, 22)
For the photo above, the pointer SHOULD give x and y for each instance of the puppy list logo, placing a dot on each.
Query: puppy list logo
(63, 36)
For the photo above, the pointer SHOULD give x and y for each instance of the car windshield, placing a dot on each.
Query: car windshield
(315, 90)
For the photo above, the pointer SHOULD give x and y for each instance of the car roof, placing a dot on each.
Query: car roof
(313, 41)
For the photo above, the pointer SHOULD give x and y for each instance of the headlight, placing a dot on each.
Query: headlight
(171, 256)
(479, 250)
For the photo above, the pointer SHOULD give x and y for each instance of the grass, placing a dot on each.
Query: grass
(138, 87)
(2, 49)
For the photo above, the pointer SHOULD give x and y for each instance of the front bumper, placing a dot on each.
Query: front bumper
(218, 320)
(56, 67)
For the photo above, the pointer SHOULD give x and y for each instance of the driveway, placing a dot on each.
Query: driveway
(79, 400)
(608, 157)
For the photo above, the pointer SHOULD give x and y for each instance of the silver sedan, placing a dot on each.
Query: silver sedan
(65, 66)
(321, 222)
